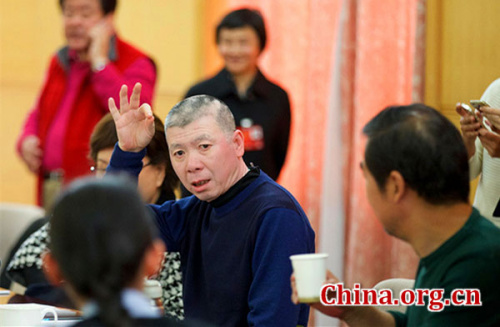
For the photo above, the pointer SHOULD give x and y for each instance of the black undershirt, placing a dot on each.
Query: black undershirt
(252, 174)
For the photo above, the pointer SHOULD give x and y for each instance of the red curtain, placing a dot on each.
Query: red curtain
(383, 66)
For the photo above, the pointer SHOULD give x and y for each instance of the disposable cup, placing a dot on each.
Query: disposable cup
(310, 274)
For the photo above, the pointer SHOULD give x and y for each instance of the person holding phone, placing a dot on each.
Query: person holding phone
(483, 148)
(82, 75)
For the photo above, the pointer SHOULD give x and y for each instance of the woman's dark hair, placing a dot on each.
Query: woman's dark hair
(107, 6)
(99, 233)
(241, 18)
(424, 147)
(104, 137)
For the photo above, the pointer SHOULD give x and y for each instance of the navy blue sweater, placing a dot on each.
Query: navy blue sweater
(235, 258)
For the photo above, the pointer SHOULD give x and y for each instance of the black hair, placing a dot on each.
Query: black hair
(107, 6)
(241, 18)
(104, 137)
(424, 147)
(99, 233)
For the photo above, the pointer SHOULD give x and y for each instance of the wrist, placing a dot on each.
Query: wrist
(127, 148)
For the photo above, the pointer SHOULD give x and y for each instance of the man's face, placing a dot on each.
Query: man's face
(205, 159)
(240, 49)
(378, 200)
(79, 16)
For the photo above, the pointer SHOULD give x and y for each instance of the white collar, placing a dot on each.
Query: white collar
(134, 301)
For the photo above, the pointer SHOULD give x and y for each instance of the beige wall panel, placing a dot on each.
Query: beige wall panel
(17, 184)
(467, 47)
(31, 31)
(169, 30)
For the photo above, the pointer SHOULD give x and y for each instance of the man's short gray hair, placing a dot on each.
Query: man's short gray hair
(197, 106)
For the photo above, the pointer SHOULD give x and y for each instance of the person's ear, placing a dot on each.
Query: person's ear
(153, 258)
(395, 186)
(51, 269)
(239, 142)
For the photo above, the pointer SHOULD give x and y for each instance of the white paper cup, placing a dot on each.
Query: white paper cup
(25, 314)
(310, 274)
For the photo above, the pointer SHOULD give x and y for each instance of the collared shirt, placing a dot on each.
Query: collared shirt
(262, 114)
(136, 304)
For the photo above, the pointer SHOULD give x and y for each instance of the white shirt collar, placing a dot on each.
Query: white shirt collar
(134, 301)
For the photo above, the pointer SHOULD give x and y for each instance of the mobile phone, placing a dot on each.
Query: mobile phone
(472, 112)
(479, 103)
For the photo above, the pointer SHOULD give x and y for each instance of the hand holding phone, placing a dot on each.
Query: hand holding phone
(478, 104)
(100, 36)
(472, 112)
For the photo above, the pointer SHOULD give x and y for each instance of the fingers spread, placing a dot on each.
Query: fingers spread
(124, 99)
(113, 110)
(136, 96)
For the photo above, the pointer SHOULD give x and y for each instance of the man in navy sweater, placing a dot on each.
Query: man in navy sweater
(237, 232)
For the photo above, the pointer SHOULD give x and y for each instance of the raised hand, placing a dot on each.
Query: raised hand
(134, 123)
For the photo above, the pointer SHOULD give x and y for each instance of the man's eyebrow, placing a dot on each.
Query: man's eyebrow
(202, 137)
(174, 146)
